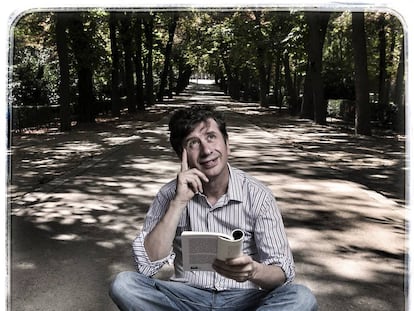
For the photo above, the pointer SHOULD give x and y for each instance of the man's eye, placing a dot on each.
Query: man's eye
(193, 143)
(211, 137)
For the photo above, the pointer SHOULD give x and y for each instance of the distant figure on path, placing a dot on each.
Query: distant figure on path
(211, 195)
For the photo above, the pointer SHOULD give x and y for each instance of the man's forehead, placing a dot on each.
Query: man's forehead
(206, 125)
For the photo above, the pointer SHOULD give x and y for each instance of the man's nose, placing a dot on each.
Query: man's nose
(205, 148)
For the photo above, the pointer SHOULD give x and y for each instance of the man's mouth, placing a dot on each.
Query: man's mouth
(209, 163)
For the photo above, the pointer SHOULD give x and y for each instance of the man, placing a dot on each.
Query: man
(210, 195)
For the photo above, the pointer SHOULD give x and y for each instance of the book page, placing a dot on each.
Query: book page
(200, 249)
(230, 248)
(199, 252)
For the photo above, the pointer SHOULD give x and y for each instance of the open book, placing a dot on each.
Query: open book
(200, 249)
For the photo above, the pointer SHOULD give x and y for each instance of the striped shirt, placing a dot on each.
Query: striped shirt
(247, 205)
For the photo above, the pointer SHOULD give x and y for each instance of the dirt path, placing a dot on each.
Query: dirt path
(73, 219)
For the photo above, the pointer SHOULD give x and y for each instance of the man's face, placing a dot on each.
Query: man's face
(207, 149)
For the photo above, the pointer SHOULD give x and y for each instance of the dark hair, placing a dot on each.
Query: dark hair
(184, 121)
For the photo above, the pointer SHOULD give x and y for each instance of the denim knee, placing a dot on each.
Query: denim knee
(120, 284)
(292, 297)
(306, 299)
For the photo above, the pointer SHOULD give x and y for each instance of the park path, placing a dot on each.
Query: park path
(71, 234)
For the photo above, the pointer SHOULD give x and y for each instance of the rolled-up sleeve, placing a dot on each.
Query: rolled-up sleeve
(142, 262)
(156, 211)
(272, 241)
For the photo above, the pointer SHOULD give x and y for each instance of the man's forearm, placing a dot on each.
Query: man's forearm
(244, 268)
(159, 241)
(267, 276)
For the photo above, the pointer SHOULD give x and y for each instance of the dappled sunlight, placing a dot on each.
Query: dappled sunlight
(376, 161)
(66, 237)
(164, 167)
(353, 269)
(196, 82)
(338, 227)
(115, 141)
(79, 146)
(112, 195)
(25, 266)
(339, 195)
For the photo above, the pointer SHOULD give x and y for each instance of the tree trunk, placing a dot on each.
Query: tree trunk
(307, 110)
(399, 96)
(138, 65)
(62, 50)
(362, 113)
(277, 91)
(184, 74)
(167, 58)
(129, 65)
(233, 83)
(149, 80)
(318, 22)
(292, 100)
(260, 50)
(383, 77)
(171, 79)
(115, 94)
(81, 47)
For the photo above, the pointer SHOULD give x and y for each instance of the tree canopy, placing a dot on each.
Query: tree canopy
(71, 66)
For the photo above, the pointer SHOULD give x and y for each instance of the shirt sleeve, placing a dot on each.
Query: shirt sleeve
(271, 239)
(156, 211)
(142, 262)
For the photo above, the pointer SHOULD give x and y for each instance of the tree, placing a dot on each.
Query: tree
(291, 94)
(167, 57)
(115, 84)
(383, 76)
(338, 62)
(86, 109)
(126, 37)
(253, 55)
(138, 64)
(149, 79)
(317, 22)
(260, 48)
(362, 112)
(399, 96)
(62, 50)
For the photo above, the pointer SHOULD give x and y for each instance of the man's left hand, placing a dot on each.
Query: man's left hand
(240, 269)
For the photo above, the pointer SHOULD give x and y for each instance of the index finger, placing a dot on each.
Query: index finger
(184, 163)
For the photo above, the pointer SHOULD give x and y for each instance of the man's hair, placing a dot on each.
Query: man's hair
(185, 120)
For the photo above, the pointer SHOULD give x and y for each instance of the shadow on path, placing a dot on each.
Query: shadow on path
(70, 235)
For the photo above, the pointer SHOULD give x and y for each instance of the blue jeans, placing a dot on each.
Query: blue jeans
(134, 291)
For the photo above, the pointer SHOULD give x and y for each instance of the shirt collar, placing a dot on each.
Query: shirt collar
(234, 190)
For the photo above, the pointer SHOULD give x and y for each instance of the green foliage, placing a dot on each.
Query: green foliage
(35, 81)
(234, 46)
(33, 67)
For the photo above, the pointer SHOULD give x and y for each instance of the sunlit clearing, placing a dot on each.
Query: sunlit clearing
(120, 140)
(80, 146)
(160, 167)
(106, 244)
(24, 266)
(66, 237)
(327, 288)
(119, 227)
(89, 220)
(352, 269)
(202, 81)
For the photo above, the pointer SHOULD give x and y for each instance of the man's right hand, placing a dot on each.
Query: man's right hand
(189, 181)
